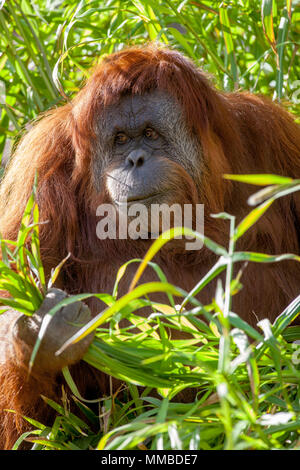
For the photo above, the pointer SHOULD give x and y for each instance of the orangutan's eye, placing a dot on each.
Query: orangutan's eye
(150, 133)
(121, 138)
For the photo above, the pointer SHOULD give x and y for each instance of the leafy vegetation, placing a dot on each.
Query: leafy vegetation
(247, 380)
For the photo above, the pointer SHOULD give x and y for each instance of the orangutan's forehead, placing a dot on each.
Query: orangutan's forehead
(156, 108)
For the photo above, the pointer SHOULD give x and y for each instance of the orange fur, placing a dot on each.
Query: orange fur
(239, 133)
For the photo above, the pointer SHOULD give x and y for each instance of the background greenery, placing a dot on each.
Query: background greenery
(248, 391)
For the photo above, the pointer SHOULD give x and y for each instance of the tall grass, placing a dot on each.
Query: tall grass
(246, 380)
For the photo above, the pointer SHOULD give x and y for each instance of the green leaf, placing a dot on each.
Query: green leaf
(282, 35)
(267, 20)
(224, 20)
(169, 235)
(104, 316)
(252, 218)
(260, 179)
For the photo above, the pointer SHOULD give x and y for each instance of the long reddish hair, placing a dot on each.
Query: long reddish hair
(238, 132)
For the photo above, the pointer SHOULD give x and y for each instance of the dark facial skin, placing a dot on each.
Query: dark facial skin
(139, 139)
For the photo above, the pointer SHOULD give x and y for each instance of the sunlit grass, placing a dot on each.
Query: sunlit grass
(245, 380)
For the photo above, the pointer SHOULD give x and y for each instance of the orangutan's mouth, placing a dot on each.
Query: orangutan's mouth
(137, 200)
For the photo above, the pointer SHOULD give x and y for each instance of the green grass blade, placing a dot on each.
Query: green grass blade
(252, 218)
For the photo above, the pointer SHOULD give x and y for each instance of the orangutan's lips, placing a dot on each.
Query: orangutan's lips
(136, 200)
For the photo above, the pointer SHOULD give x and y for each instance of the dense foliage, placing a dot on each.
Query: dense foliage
(247, 379)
